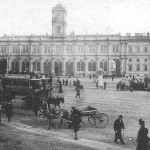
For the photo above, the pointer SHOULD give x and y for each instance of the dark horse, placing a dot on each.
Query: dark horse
(55, 101)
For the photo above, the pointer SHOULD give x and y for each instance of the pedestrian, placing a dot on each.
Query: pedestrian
(118, 126)
(50, 118)
(78, 91)
(70, 83)
(112, 77)
(63, 82)
(66, 82)
(76, 120)
(60, 87)
(105, 84)
(142, 138)
(9, 110)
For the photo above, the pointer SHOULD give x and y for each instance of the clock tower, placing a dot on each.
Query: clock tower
(59, 21)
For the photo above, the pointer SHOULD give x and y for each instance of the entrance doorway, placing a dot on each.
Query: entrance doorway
(69, 68)
(117, 66)
(58, 68)
(3, 66)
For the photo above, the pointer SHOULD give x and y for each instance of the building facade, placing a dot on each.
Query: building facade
(63, 54)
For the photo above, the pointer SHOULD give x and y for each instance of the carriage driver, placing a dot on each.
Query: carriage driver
(76, 120)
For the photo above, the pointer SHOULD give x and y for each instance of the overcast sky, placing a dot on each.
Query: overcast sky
(26, 17)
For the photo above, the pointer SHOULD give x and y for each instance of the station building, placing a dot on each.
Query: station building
(72, 54)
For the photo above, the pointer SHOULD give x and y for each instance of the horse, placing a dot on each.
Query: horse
(55, 101)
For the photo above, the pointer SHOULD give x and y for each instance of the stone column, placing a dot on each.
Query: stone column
(97, 65)
(122, 65)
(8, 65)
(20, 65)
(63, 67)
(30, 65)
(109, 66)
(149, 66)
(75, 66)
(41, 66)
(125, 65)
(86, 66)
(53, 70)
(20, 52)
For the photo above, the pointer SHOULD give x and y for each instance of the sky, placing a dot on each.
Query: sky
(26, 17)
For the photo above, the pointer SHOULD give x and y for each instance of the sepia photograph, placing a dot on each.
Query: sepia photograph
(74, 75)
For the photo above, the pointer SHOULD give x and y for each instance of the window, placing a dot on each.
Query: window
(91, 66)
(15, 49)
(138, 67)
(130, 60)
(3, 49)
(80, 66)
(130, 67)
(80, 49)
(145, 60)
(50, 49)
(58, 29)
(145, 49)
(92, 49)
(130, 49)
(145, 67)
(138, 60)
(25, 49)
(36, 49)
(45, 49)
(103, 49)
(69, 49)
(138, 49)
(115, 49)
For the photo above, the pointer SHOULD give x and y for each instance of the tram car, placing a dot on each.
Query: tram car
(18, 84)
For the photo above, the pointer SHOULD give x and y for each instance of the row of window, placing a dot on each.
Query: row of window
(69, 49)
(138, 49)
(138, 68)
(138, 60)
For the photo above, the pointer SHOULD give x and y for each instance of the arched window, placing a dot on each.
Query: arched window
(89, 66)
(27, 66)
(38, 66)
(23, 66)
(12, 66)
(105, 66)
(82, 66)
(34, 66)
(94, 66)
(130, 67)
(78, 66)
(16, 66)
(101, 65)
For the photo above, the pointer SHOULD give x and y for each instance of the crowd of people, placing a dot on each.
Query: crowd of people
(76, 117)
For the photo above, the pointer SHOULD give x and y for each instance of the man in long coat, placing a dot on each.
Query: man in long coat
(142, 138)
(9, 110)
(118, 126)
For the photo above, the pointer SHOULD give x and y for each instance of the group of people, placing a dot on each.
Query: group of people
(142, 137)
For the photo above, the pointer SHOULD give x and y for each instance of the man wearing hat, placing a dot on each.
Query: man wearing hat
(118, 126)
(142, 138)
(76, 120)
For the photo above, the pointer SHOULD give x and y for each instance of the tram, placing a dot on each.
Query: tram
(21, 84)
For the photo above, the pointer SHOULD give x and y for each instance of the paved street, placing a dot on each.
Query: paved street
(132, 105)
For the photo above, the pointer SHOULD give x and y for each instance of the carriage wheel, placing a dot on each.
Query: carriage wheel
(82, 125)
(91, 120)
(101, 121)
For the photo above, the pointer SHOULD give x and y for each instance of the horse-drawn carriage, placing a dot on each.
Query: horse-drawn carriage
(134, 84)
(94, 117)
